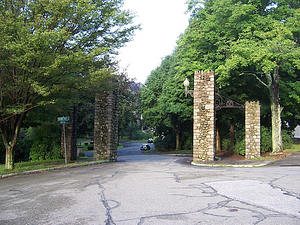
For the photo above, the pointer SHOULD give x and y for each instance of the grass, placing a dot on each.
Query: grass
(127, 139)
(176, 152)
(42, 164)
(31, 165)
(45, 164)
(295, 148)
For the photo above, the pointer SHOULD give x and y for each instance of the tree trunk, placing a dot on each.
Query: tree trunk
(177, 141)
(276, 128)
(232, 138)
(9, 150)
(9, 131)
(218, 138)
(9, 158)
(275, 112)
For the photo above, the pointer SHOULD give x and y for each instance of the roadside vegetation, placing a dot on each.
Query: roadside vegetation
(253, 47)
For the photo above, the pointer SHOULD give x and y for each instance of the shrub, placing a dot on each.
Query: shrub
(164, 143)
(187, 141)
(266, 139)
(226, 143)
(239, 147)
(287, 140)
(44, 141)
(81, 154)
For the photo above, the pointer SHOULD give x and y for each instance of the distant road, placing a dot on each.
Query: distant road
(130, 148)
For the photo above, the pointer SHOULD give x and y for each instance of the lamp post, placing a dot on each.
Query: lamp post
(186, 83)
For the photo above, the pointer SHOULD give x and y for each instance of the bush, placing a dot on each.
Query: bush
(226, 143)
(187, 142)
(239, 148)
(44, 141)
(81, 154)
(164, 143)
(266, 139)
(287, 140)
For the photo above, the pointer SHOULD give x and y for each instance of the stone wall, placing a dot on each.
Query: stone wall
(204, 116)
(106, 126)
(252, 130)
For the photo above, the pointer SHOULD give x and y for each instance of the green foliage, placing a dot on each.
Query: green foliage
(44, 141)
(128, 118)
(266, 139)
(81, 154)
(21, 151)
(164, 144)
(164, 106)
(226, 143)
(51, 47)
(239, 147)
(140, 135)
(287, 140)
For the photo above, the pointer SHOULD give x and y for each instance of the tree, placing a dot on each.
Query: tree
(270, 53)
(48, 46)
(164, 106)
(259, 38)
(129, 119)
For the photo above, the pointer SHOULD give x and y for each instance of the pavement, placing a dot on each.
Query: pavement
(289, 161)
(154, 189)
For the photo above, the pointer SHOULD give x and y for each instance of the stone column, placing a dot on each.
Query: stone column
(252, 130)
(204, 116)
(106, 126)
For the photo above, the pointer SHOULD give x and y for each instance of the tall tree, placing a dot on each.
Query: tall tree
(259, 38)
(128, 117)
(164, 106)
(47, 46)
(267, 50)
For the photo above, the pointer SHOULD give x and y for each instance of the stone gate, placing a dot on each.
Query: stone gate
(204, 128)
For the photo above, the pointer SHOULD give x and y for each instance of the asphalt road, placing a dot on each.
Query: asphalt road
(152, 189)
(130, 148)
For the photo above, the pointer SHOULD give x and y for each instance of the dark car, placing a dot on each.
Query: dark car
(145, 147)
(150, 140)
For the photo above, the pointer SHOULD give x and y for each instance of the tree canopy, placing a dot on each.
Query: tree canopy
(253, 47)
(47, 46)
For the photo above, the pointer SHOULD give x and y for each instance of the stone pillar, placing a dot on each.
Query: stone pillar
(252, 130)
(106, 126)
(204, 116)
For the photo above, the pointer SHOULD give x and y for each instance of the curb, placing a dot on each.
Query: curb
(53, 168)
(251, 165)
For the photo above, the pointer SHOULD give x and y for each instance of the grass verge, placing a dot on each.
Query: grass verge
(295, 148)
(43, 164)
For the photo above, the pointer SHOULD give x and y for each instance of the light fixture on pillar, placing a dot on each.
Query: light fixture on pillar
(186, 83)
